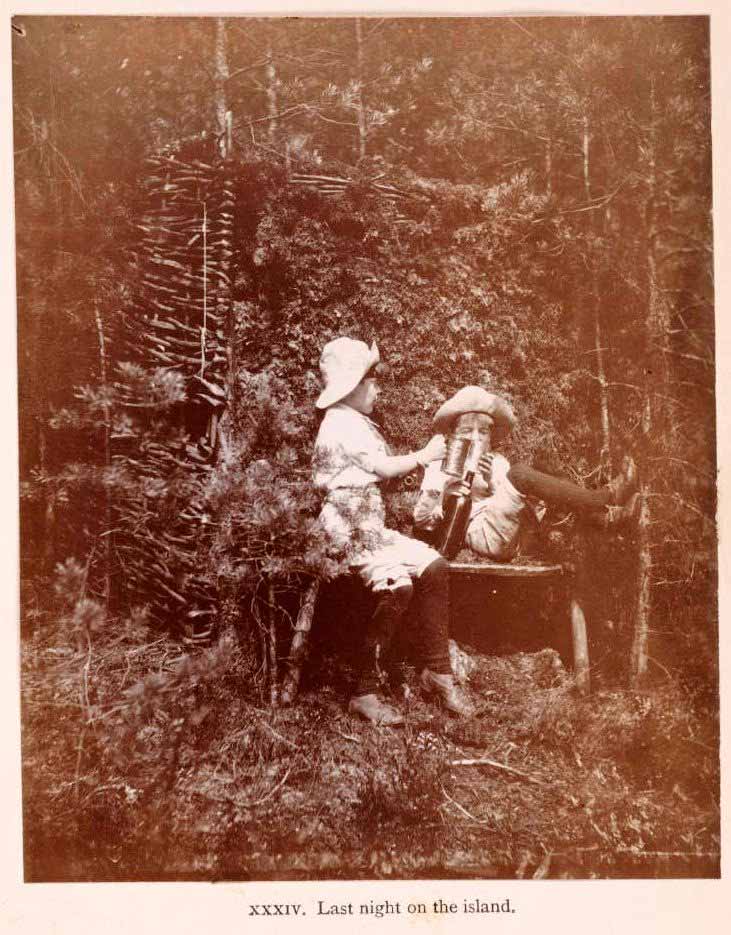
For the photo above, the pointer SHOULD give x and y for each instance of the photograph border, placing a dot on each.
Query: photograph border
(647, 906)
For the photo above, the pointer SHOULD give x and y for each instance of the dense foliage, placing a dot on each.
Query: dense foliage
(504, 202)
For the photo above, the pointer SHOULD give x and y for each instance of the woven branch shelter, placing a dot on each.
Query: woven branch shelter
(181, 320)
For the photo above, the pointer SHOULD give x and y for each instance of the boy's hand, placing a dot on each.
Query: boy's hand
(434, 450)
(483, 486)
(484, 468)
(463, 489)
(484, 465)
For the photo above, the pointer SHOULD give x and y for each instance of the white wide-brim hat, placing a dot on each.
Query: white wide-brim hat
(476, 399)
(343, 364)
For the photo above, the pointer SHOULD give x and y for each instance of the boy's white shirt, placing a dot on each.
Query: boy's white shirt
(504, 505)
(435, 480)
(347, 443)
(494, 525)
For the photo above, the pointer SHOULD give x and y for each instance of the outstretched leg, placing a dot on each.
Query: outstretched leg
(555, 490)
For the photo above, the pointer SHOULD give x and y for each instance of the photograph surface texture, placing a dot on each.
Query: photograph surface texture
(366, 382)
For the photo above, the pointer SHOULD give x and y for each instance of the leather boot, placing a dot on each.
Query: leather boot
(619, 517)
(624, 484)
(371, 708)
(448, 693)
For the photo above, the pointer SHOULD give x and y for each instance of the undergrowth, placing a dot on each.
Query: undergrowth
(144, 761)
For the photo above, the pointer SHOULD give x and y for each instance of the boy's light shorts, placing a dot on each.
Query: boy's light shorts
(395, 563)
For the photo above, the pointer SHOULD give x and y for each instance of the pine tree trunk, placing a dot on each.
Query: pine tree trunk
(272, 660)
(362, 124)
(656, 367)
(107, 532)
(271, 92)
(640, 641)
(596, 312)
(221, 76)
(49, 513)
(300, 643)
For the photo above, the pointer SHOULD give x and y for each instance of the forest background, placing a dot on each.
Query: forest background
(512, 203)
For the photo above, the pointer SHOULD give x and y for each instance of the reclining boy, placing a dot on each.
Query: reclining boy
(502, 494)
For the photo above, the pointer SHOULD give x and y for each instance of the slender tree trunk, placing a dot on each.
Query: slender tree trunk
(262, 630)
(581, 648)
(221, 76)
(639, 654)
(656, 367)
(107, 532)
(300, 643)
(549, 168)
(271, 90)
(273, 667)
(360, 104)
(49, 513)
(596, 303)
(265, 615)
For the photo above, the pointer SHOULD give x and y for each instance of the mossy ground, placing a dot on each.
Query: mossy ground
(143, 763)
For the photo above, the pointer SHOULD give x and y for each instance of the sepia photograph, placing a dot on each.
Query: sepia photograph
(367, 450)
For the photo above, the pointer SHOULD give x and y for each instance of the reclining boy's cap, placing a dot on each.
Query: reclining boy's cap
(475, 399)
(343, 364)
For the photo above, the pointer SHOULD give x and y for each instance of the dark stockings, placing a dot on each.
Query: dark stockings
(556, 491)
(432, 599)
(387, 639)
(386, 621)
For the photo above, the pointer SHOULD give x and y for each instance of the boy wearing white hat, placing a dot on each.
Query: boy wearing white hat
(351, 459)
(502, 494)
